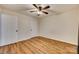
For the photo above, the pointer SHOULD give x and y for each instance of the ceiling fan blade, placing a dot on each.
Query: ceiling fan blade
(46, 7)
(35, 5)
(45, 12)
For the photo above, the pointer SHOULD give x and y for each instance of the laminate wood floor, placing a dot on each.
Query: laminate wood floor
(39, 45)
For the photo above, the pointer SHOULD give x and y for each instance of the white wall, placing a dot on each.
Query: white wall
(63, 27)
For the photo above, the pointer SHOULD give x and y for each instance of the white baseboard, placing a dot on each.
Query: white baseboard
(58, 39)
(16, 41)
(37, 36)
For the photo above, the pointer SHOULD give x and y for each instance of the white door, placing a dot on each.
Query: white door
(24, 28)
(9, 26)
(33, 27)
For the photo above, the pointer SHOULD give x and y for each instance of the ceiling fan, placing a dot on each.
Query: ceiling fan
(39, 9)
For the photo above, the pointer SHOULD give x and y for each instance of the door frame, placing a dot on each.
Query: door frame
(78, 40)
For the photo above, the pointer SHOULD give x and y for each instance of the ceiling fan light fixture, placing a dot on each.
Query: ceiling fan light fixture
(39, 12)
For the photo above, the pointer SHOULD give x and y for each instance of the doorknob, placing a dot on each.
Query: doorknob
(30, 29)
(16, 30)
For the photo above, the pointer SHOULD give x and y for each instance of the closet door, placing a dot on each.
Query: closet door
(33, 27)
(9, 29)
(24, 28)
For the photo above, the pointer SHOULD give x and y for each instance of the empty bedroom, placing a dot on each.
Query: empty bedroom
(39, 28)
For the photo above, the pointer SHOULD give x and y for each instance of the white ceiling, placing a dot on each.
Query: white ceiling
(54, 9)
